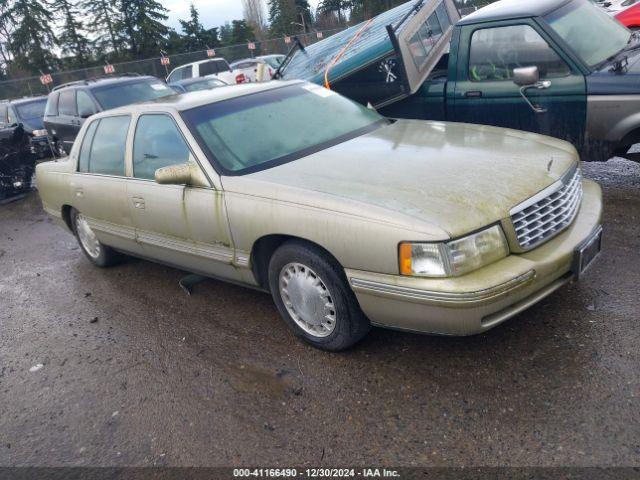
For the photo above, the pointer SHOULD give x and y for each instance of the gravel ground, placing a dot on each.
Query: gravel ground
(119, 367)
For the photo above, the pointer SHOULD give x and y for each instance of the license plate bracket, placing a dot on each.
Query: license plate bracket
(587, 252)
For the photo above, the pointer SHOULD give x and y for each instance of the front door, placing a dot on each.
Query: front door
(181, 225)
(67, 123)
(486, 94)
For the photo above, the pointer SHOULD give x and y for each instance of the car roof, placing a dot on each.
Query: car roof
(19, 101)
(508, 9)
(102, 81)
(187, 101)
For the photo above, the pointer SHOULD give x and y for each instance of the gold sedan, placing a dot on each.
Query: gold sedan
(349, 219)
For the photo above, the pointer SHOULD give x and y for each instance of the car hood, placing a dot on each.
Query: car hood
(454, 177)
(609, 82)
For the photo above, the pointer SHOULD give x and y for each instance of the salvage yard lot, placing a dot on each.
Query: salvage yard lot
(135, 372)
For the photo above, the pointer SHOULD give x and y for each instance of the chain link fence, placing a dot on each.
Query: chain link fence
(31, 86)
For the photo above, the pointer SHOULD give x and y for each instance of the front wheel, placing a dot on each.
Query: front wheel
(313, 297)
(97, 253)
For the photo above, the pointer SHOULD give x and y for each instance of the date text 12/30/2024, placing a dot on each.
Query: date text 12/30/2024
(315, 473)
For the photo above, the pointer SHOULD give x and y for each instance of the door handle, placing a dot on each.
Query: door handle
(473, 94)
(138, 202)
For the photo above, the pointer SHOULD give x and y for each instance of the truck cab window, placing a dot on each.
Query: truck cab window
(496, 52)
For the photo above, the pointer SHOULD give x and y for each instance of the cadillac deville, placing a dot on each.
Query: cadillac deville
(347, 218)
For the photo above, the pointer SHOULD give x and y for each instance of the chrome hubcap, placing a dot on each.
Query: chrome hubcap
(87, 238)
(307, 299)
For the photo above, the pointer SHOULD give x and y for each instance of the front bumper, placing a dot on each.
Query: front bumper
(485, 298)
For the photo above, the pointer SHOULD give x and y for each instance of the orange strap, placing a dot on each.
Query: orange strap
(342, 52)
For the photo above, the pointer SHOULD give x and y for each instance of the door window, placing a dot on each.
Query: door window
(157, 144)
(496, 52)
(103, 147)
(86, 107)
(67, 103)
(3, 115)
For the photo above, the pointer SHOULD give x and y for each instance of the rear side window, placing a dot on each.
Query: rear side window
(181, 74)
(213, 67)
(3, 114)
(52, 106)
(86, 107)
(103, 147)
(85, 149)
(67, 103)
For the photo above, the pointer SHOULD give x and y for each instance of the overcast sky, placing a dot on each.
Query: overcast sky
(212, 12)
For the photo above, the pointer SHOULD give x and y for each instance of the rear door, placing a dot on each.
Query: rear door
(484, 91)
(99, 185)
(182, 225)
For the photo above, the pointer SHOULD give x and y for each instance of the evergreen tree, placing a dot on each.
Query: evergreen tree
(103, 21)
(225, 34)
(71, 40)
(241, 32)
(142, 26)
(32, 41)
(338, 7)
(194, 32)
(285, 16)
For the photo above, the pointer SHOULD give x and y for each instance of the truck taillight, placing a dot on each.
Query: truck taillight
(240, 78)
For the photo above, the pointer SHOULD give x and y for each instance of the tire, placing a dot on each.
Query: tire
(100, 255)
(309, 287)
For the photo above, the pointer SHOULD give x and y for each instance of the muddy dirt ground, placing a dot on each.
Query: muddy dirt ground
(120, 367)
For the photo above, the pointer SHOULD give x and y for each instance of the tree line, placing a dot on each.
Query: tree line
(50, 35)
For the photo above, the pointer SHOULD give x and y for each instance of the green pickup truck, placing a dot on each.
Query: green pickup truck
(558, 67)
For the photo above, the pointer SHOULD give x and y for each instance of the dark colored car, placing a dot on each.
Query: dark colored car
(562, 68)
(196, 84)
(69, 105)
(17, 163)
(28, 112)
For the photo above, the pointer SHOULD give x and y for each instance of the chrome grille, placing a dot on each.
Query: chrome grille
(547, 214)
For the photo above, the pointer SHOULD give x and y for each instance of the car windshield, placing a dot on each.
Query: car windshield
(284, 124)
(274, 62)
(31, 110)
(204, 85)
(114, 96)
(589, 31)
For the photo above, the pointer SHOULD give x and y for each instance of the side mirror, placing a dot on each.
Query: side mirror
(182, 174)
(526, 76)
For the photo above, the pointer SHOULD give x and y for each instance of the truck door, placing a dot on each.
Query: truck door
(485, 92)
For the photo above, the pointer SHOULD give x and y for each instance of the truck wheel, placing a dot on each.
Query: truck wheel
(313, 296)
(97, 253)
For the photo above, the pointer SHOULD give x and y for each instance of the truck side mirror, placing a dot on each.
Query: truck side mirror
(529, 78)
(86, 113)
(526, 76)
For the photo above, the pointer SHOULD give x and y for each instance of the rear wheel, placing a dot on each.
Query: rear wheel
(313, 297)
(97, 253)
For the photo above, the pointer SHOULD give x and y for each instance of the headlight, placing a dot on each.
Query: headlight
(39, 133)
(453, 258)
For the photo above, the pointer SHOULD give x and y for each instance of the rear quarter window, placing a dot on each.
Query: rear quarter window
(67, 103)
(51, 109)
